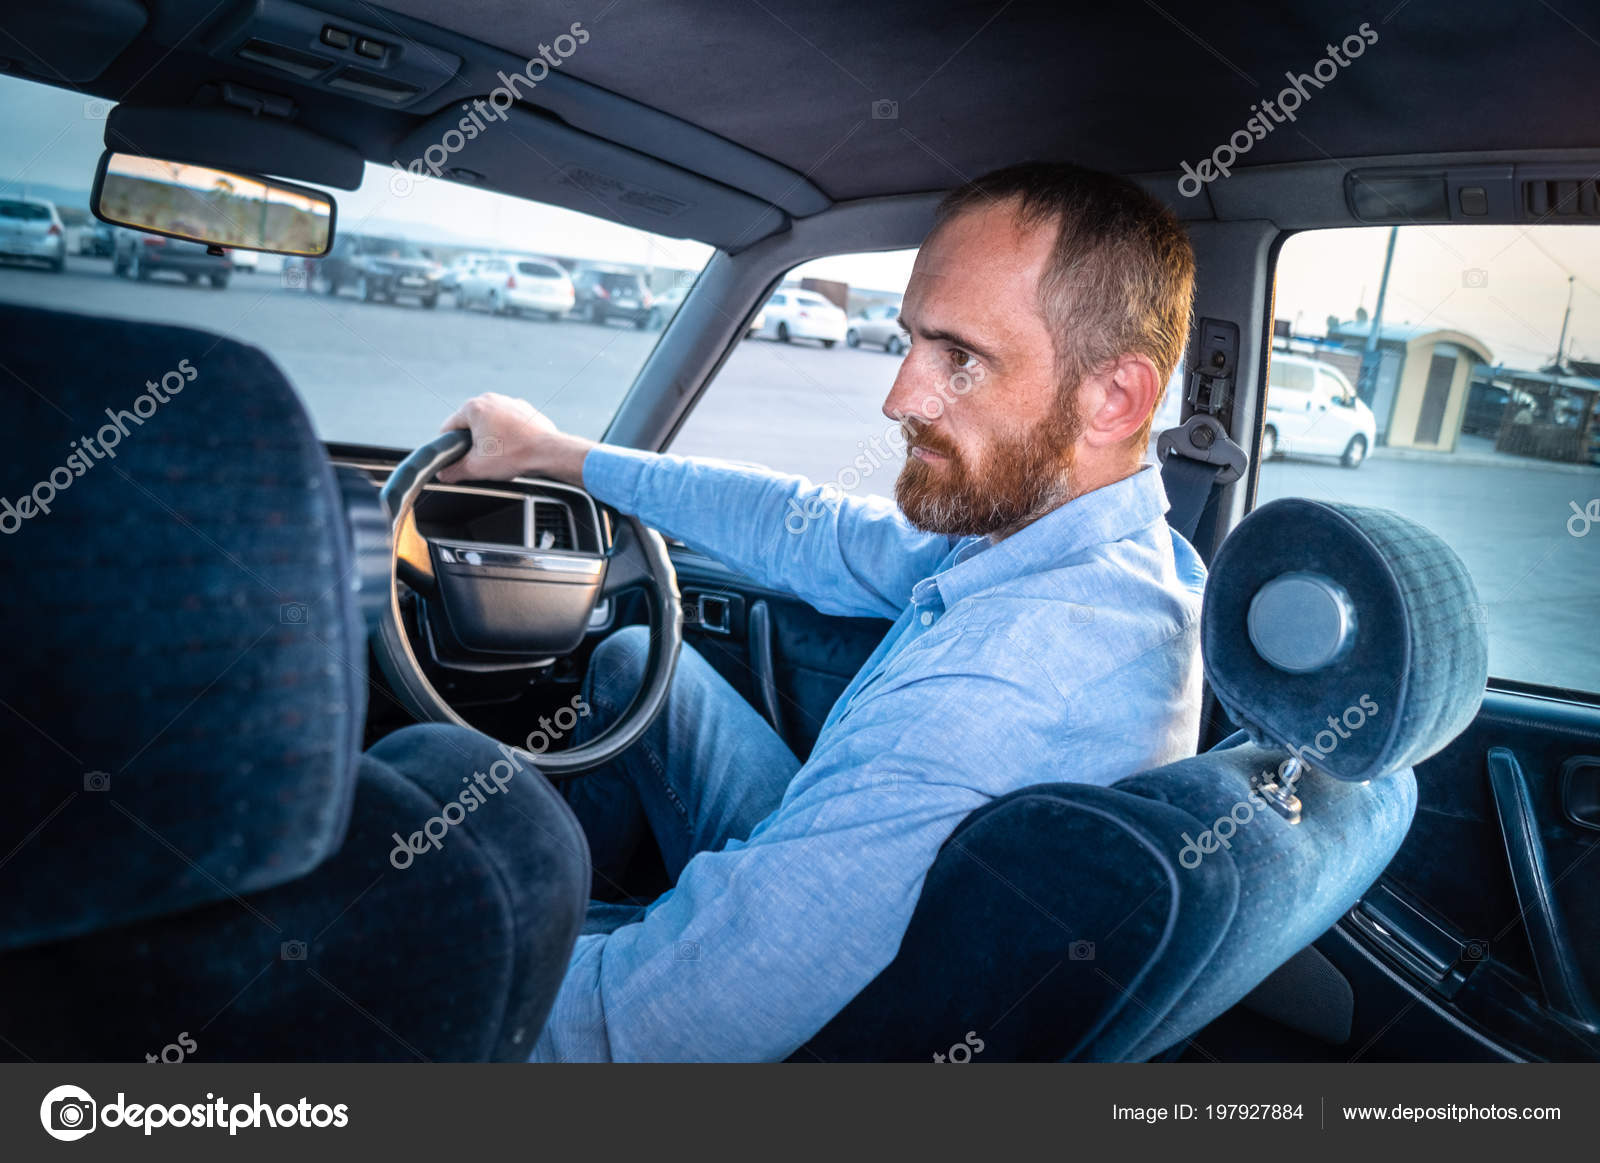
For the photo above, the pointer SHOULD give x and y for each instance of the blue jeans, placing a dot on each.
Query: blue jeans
(708, 770)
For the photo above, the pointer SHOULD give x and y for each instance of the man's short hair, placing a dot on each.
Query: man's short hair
(1121, 275)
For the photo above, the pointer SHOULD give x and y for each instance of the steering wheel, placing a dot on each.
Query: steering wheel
(638, 555)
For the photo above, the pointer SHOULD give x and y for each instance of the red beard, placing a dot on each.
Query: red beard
(1017, 480)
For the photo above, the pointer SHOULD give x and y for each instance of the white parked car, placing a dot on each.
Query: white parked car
(792, 314)
(30, 229)
(510, 285)
(879, 327)
(1313, 411)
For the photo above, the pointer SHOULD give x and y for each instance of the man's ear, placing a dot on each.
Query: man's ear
(1119, 400)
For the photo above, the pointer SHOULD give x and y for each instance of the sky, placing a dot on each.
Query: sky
(1506, 285)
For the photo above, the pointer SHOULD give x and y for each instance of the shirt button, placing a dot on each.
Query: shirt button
(927, 618)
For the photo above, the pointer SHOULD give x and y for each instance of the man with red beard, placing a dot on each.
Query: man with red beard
(1046, 627)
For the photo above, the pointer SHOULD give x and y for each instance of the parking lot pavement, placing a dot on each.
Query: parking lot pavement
(388, 374)
(382, 373)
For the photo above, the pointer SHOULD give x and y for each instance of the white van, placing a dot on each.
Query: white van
(1313, 411)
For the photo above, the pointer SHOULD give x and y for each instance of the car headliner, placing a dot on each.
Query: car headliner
(1134, 88)
(1126, 87)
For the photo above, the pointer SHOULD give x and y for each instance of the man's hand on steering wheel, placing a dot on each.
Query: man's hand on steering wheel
(512, 438)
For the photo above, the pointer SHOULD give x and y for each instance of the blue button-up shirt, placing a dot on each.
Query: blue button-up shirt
(1068, 651)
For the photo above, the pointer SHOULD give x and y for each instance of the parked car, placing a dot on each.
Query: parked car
(138, 255)
(31, 231)
(378, 269)
(757, 323)
(1486, 407)
(604, 293)
(245, 261)
(792, 314)
(880, 327)
(96, 239)
(666, 306)
(510, 286)
(1313, 410)
(450, 280)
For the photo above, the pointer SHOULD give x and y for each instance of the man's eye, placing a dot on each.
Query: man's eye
(961, 358)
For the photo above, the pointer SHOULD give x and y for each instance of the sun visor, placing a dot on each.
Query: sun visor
(535, 156)
(71, 40)
(231, 140)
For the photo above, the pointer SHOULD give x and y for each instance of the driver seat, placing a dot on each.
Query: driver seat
(196, 859)
(1071, 922)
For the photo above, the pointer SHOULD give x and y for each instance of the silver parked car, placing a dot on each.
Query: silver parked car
(31, 230)
(513, 284)
(879, 327)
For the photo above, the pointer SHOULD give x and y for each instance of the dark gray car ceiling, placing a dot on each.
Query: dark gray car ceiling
(1118, 85)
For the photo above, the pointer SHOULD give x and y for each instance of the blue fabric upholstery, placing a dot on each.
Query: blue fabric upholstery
(184, 658)
(1034, 965)
(454, 958)
(1420, 651)
(1192, 906)
(196, 844)
(1295, 880)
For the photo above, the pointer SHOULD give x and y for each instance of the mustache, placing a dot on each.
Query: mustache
(918, 434)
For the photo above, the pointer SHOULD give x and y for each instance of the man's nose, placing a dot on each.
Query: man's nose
(913, 393)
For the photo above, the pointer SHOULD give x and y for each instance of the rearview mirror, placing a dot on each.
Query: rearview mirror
(215, 207)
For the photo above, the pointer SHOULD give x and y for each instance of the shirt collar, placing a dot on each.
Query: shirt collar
(1105, 515)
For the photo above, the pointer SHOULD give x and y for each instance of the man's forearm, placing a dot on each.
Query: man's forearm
(839, 554)
(558, 458)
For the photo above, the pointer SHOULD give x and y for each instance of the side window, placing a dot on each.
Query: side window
(795, 397)
(1476, 413)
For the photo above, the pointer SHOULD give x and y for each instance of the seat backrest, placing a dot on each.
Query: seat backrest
(1350, 644)
(195, 846)
(1067, 921)
(173, 539)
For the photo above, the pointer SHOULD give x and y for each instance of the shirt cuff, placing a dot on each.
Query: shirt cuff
(611, 475)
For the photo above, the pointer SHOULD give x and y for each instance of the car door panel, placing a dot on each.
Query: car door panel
(773, 648)
(1488, 912)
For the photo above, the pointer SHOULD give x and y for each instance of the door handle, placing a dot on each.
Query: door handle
(761, 662)
(1560, 976)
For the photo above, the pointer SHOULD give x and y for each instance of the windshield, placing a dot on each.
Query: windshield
(378, 350)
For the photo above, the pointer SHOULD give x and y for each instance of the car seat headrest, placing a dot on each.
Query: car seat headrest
(186, 670)
(1352, 636)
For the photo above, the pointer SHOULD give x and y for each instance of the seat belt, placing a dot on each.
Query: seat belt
(1198, 459)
